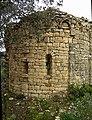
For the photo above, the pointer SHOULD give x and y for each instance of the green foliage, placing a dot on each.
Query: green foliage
(45, 105)
(31, 114)
(69, 116)
(78, 91)
(12, 117)
(13, 10)
(80, 110)
(80, 99)
(41, 110)
(37, 24)
(35, 115)
(41, 21)
(3, 68)
(84, 107)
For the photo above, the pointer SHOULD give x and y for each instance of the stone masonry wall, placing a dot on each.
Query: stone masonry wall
(79, 54)
(90, 57)
(37, 82)
(69, 43)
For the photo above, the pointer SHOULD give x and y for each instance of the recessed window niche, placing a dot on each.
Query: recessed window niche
(49, 64)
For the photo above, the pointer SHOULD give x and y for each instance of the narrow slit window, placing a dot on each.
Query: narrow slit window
(49, 64)
(26, 67)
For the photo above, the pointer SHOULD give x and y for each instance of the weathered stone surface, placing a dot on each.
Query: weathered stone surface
(70, 48)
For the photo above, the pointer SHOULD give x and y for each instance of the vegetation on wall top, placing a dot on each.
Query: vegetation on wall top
(34, 25)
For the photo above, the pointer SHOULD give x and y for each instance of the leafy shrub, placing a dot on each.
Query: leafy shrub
(42, 109)
(81, 109)
(84, 107)
(45, 105)
(12, 117)
(35, 115)
(30, 115)
(76, 91)
(69, 116)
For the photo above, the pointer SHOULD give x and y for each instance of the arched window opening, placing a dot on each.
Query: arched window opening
(49, 64)
(26, 67)
(65, 24)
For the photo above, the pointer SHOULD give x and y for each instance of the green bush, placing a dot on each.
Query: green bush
(80, 110)
(78, 107)
(33, 114)
(84, 107)
(41, 109)
(79, 91)
(12, 117)
(45, 105)
(69, 116)
(80, 99)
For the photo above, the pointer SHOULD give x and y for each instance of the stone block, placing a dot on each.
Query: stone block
(58, 39)
(70, 40)
(62, 34)
(65, 39)
(72, 32)
(56, 34)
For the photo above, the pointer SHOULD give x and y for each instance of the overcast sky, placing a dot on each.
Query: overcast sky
(77, 8)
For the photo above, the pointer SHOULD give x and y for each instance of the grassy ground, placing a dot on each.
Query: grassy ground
(76, 106)
(17, 107)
